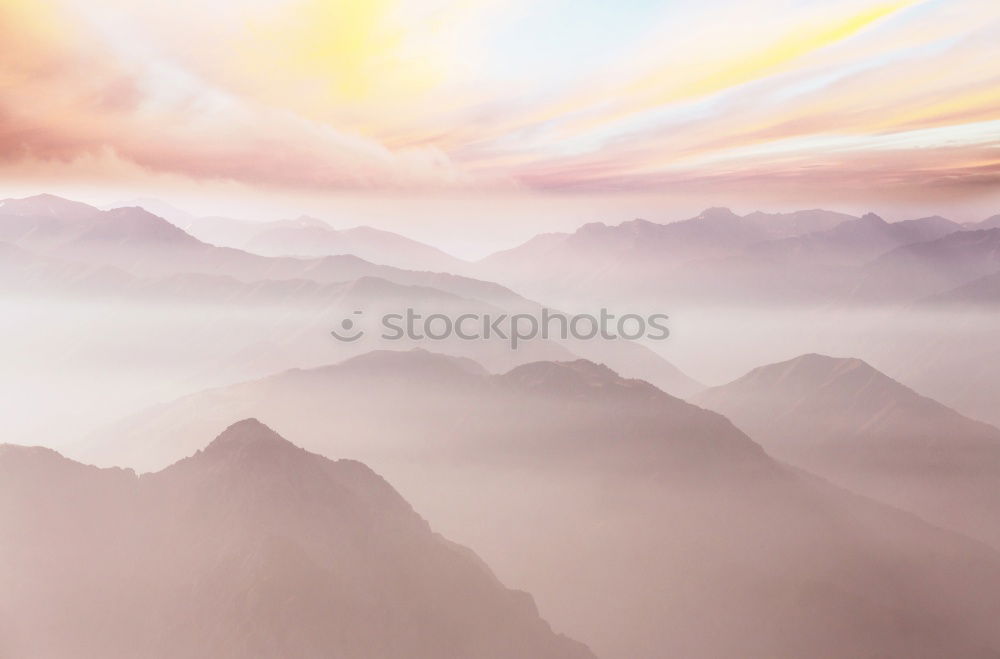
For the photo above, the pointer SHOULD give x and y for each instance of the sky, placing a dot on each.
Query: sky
(891, 104)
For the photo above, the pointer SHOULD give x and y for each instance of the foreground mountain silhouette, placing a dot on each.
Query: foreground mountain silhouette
(646, 527)
(250, 548)
(848, 422)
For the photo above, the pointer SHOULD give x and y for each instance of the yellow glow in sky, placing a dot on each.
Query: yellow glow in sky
(507, 94)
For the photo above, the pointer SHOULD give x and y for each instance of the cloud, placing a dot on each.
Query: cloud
(70, 94)
(401, 94)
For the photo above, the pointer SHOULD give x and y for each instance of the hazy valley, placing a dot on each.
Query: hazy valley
(724, 492)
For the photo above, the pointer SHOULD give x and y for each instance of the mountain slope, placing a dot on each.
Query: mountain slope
(638, 247)
(981, 293)
(859, 240)
(145, 245)
(306, 236)
(933, 267)
(714, 231)
(992, 222)
(319, 306)
(310, 237)
(645, 526)
(250, 548)
(820, 267)
(50, 206)
(56, 224)
(418, 382)
(717, 256)
(796, 223)
(846, 421)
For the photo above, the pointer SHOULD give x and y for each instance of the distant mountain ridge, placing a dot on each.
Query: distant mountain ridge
(131, 255)
(399, 368)
(933, 267)
(143, 244)
(845, 420)
(50, 221)
(307, 236)
(982, 293)
(856, 241)
(716, 231)
(310, 237)
(716, 257)
(992, 222)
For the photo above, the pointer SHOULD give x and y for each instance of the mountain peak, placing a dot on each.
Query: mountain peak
(992, 222)
(249, 435)
(593, 228)
(48, 205)
(231, 548)
(575, 377)
(812, 366)
(638, 224)
(717, 213)
(872, 218)
(137, 223)
(815, 377)
(47, 198)
(815, 359)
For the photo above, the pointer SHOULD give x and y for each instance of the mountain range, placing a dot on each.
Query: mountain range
(50, 245)
(992, 222)
(811, 257)
(251, 547)
(307, 237)
(310, 237)
(138, 242)
(933, 268)
(702, 256)
(715, 232)
(720, 257)
(846, 421)
(699, 543)
(981, 293)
